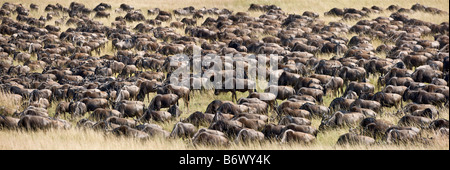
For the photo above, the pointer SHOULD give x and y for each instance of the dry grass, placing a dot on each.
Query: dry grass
(75, 138)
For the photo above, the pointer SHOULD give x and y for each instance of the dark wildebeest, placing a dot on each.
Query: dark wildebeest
(181, 92)
(163, 101)
(316, 93)
(352, 74)
(8, 122)
(103, 114)
(95, 103)
(253, 105)
(102, 14)
(256, 124)
(395, 89)
(394, 72)
(269, 98)
(401, 134)
(77, 109)
(85, 123)
(295, 112)
(340, 103)
(130, 108)
(360, 88)
(336, 84)
(293, 136)
(374, 127)
(62, 108)
(303, 128)
(183, 130)
(213, 106)
(341, 119)
(127, 131)
(439, 123)
(232, 85)
(34, 111)
(410, 120)
(121, 121)
(424, 97)
(273, 131)
(400, 81)
(153, 130)
(428, 113)
(366, 112)
(249, 135)
(368, 104)
(30, 122)
(198, 118)
(210, 137)
(155, 115)
(315, 109)
(353, 138)
(227, 126)
(147, 87)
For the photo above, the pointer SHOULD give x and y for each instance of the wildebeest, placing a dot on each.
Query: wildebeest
(183, 130)
(293, 136)
(410, 120)
(47, 65)
(182, 93)
(147, 87)
(255, 124)
(155, 115)
(285, 120)
(209, 137)
(233, 85)
(368, 104)
(273, 131)
(360, 88)
(227, 126)
(439, 123)
(269, 98)
(121, 121)
(94, 103)
(8, 122)
(303, 128)
(282, 92)
(249, 135)
(127, 131)
(103, 114)
(388, 99)
(374, 128)
(401, 134)
(153, 130)
(424, 97)
(30, 122)
(198, 118)
(130, 108)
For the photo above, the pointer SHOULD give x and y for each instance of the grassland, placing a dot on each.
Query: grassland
(75, 138)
